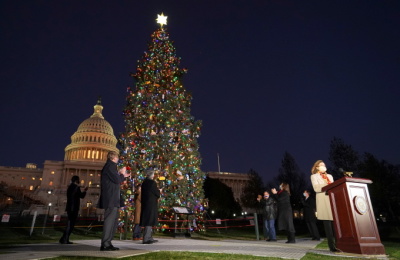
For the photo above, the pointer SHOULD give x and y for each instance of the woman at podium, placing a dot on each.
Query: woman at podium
(319, 179)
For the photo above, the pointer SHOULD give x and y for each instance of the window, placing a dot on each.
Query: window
(52, 172)
(31, 187)
(51, 183)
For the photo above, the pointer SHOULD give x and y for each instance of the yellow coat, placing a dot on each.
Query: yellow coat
(324, 211)
(138, 205)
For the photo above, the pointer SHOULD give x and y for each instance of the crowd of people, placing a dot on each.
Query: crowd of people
(278, 208)
(275, 206)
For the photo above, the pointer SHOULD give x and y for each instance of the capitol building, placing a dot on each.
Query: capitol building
(44, 190)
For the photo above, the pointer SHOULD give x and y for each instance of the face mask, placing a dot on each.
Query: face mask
(280, 187)
(304, 194)
(322, 169)
(266, 196)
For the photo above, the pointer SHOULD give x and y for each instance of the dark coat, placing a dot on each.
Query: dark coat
(285, 213)
(74, 196)
(309, 209)
(150, 195)
(110, 196)
(268, 208)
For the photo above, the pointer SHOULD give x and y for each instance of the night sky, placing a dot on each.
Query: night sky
(266, 76)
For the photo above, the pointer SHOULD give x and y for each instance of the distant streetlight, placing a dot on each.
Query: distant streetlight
(212, 211)
(45, 217)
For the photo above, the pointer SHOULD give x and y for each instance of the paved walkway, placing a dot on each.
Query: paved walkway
(131, 248)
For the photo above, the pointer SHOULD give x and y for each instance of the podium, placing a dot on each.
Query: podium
(184, 211)
(353, 217)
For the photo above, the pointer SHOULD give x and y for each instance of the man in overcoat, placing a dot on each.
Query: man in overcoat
(110, 199)
(149, 212)
(74, 195)
(309, 215)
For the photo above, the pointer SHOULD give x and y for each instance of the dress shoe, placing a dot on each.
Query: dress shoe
(148, 242)
(62, 241)
(334, 250)
(290, 242)
(154, 241)
(108, 248)
(271, 240)
(316, 239)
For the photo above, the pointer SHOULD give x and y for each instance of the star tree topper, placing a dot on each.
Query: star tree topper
(161, 19)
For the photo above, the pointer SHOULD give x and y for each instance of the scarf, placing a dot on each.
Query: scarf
(325, 177)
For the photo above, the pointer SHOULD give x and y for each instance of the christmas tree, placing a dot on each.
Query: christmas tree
(160, 133)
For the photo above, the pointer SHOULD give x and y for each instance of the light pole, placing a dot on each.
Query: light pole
(45, 217)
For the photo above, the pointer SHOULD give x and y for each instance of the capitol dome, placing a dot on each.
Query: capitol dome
(93, 139)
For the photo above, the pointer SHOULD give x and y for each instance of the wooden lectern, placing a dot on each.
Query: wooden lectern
(353, 217)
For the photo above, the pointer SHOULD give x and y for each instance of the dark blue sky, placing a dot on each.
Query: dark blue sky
(266, 76)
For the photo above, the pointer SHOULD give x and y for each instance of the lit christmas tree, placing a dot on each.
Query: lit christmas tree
(160, 132)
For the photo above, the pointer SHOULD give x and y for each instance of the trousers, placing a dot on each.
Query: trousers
(72, 216)
(269, 229)
(148, 234)
(328, 226)
(110, 226)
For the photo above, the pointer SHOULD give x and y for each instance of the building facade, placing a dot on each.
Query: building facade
(85, 156)
(236, 181)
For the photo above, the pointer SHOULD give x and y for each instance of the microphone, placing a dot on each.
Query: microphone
(345, 173)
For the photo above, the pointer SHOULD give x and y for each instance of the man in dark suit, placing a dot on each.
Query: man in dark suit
(74, 195)
(309, 215)
(110, 199)
(149, 212)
